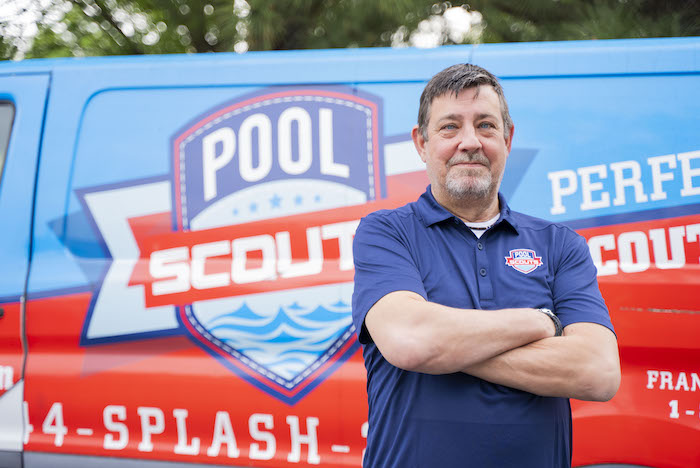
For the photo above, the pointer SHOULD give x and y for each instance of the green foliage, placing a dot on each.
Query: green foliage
(320, 24)
(555, 20)
(114, 27)
(7, 48)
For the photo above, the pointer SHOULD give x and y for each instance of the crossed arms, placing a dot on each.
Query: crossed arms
(512, 347)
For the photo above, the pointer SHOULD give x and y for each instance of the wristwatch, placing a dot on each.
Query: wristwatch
(555, 319)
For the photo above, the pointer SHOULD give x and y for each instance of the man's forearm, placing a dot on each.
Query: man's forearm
(582, 364)
(421, 336)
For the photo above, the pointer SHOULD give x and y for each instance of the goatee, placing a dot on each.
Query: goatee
(469, 182)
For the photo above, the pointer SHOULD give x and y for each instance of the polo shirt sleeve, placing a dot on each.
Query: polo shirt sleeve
(383, 264)
(576, 295)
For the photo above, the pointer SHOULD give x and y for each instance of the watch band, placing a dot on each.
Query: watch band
(557, 323)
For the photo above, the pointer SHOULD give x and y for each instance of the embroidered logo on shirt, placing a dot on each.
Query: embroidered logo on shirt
(523, 260)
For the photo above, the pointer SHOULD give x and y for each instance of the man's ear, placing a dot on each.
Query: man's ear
(509, 141)
(418, 142)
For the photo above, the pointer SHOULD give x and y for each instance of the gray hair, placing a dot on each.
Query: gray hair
(455, 79)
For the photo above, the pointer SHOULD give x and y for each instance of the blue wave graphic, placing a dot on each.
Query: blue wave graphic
(280, 319)
(286, 342)
(321, 314)
(243, 312)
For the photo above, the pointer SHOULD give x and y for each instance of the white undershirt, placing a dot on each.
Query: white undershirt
(480, 228)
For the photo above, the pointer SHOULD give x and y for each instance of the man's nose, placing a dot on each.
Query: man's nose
(469, 141)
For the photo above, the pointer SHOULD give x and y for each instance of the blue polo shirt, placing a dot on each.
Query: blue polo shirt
(457, 420)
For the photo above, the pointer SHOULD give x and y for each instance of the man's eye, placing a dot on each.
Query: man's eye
(449, 127)
(486, 125)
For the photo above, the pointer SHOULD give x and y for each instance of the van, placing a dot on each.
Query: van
(177, 230)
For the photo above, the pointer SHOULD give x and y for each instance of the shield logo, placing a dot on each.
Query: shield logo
(277, 315)
(523, 260)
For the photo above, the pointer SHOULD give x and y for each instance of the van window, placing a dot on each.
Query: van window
(7, 115)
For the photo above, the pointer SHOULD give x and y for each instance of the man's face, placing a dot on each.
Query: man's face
(465, 151)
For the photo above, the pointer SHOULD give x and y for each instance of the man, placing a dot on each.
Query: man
(465, 366)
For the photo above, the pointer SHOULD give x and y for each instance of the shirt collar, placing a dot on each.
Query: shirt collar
(431, 212)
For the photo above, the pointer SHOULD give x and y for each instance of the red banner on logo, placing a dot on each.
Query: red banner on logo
(308, 249)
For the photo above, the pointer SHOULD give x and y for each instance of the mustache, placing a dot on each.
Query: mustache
(476, 157)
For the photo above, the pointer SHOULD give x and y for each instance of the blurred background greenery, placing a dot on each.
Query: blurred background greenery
(61, 28)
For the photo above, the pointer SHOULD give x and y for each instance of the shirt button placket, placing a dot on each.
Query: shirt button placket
(483, 278)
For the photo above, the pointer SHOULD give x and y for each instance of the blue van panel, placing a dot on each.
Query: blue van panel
(27, 93)
(117, 115)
